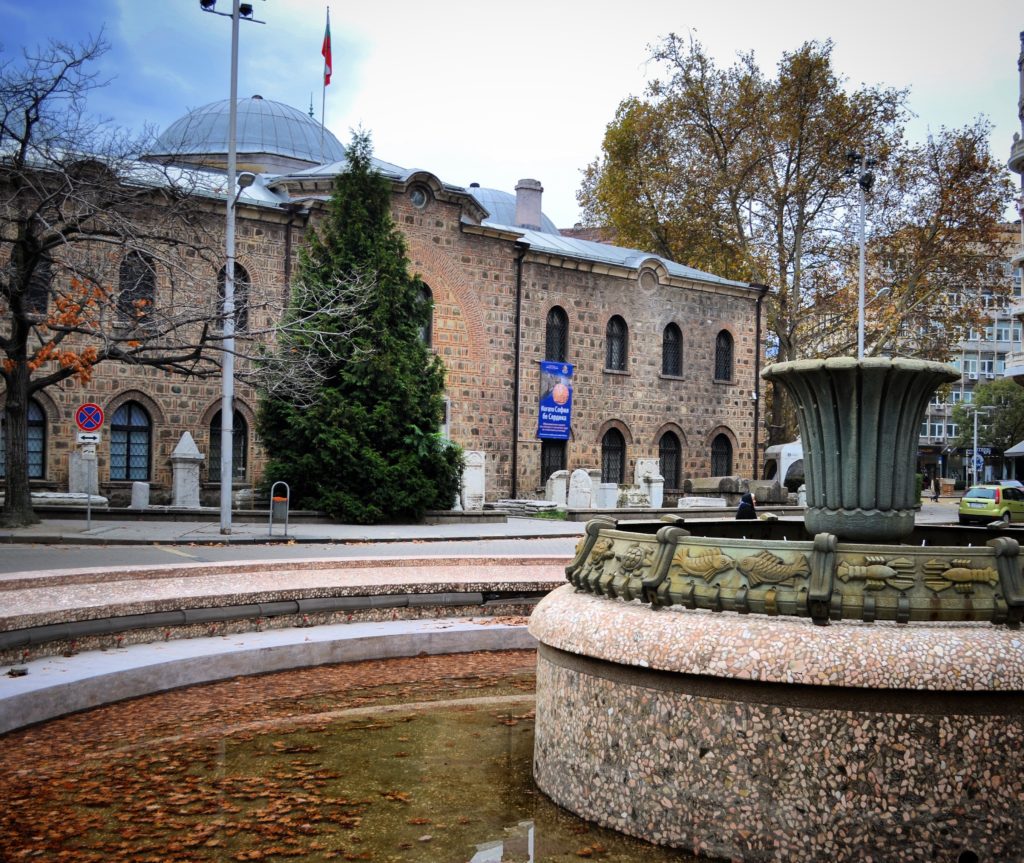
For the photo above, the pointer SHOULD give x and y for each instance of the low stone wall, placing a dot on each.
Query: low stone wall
(743, 737)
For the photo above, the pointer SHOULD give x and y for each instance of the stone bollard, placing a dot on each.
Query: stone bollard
(140, 495)
(185, 461)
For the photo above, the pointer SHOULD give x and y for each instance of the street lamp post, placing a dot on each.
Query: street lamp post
(862, 168)
(227, 406)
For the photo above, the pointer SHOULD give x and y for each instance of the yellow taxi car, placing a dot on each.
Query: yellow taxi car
(991, 502)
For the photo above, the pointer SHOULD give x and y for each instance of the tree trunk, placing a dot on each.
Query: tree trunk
(17, 511)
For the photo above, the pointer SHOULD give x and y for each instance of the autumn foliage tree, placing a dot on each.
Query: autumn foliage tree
(739, 173)
(86, 233)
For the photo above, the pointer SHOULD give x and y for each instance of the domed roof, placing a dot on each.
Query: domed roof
(263, 128)
(502, 207)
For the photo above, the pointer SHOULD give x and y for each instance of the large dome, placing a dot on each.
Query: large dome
(270, 136)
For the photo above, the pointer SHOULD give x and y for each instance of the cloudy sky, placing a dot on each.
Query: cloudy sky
(477, 91)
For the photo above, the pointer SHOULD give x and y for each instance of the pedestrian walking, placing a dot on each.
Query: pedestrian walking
(936, 488)
(746, 508)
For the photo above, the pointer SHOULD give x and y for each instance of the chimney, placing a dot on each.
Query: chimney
(528, 193)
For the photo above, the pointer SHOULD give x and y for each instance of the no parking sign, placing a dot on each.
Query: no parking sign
(89, 417)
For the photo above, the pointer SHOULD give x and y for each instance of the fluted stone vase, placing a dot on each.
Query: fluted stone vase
(859, 423)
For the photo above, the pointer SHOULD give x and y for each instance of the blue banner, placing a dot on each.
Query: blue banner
(555, 415)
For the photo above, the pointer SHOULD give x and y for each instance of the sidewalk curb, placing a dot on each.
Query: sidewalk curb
(80, 539)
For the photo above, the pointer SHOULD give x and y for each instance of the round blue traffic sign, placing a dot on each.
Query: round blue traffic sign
(89, 417)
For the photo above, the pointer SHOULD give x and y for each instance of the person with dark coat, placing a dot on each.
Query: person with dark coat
(746, 507)
(936, 488)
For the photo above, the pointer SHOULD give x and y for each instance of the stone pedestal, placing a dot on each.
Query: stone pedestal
(648, 479)
(556, 489)
(607, 496)
(82, 474)
(581, 490)
(473, 481)
(185, 462)
(140, 495)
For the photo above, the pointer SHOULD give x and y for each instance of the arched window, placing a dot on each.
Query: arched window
(36, 442)
(137, 289)
(552, 458)
(721, 456)
(37, 295)
(670, 453)
(613, 456)
(672, 351)
(723, 359)
(241, 295)
(427, 330)
(239, 447)
(616, 339)
(556, 336)
(130, 438)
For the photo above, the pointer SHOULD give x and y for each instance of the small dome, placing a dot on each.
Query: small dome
(275, 135)
(502, 207)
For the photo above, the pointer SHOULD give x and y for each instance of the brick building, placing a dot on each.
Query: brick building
(666, 357)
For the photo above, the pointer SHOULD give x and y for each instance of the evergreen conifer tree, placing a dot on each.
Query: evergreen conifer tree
(366, 447)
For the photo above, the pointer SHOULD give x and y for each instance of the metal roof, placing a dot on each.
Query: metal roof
(263, 126)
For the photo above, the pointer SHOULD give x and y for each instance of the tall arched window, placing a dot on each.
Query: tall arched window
(242, 283)
(672, 351)
(239, 447)
(723, 359)
(36, 442)
(556, 335)
(721, 456)
(130, 443)
(613, 457)
(616, 336)
(669, 458)
(427, 330)
(137, 289)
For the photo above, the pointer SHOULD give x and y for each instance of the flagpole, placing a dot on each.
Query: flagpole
(326, 52)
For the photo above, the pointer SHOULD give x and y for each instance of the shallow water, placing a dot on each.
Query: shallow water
(404, 760)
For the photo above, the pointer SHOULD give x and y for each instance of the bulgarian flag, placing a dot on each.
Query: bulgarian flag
(326, 49)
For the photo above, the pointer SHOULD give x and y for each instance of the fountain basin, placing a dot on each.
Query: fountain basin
(747, 737)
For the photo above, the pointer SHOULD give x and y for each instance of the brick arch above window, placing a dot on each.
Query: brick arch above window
(151, 405)
(241, 406)
(675, 428)
(615, 424)
(449, 285)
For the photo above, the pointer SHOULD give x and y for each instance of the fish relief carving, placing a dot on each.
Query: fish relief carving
(958, 574)
(767, 568)
(877, 573)
(704, 563)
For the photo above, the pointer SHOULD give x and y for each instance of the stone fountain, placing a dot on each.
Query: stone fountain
(781, 691)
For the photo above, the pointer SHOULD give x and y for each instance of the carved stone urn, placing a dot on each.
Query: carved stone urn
(859, 423)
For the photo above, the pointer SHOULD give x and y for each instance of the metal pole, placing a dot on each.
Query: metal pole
(860, 281)
(974, 453)
(227, 405)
